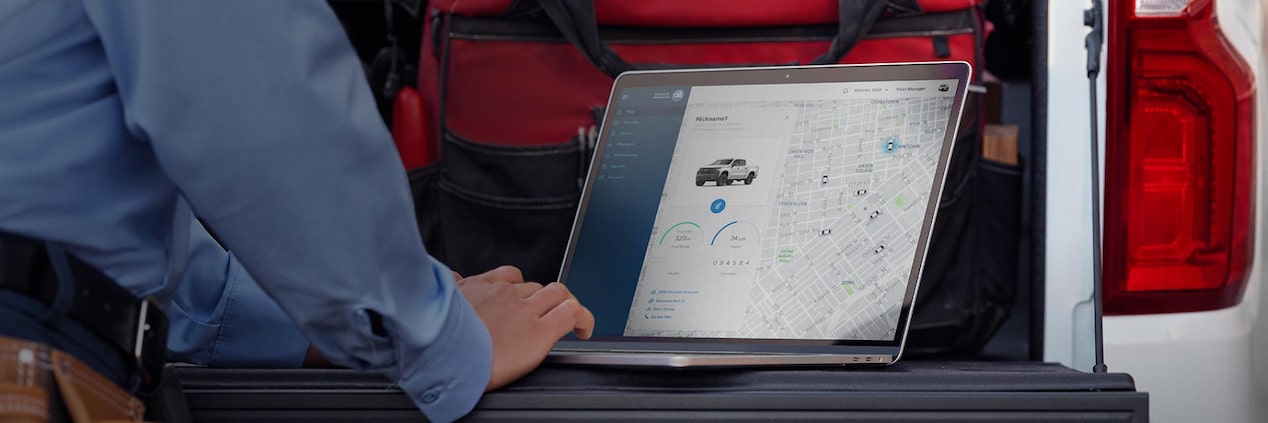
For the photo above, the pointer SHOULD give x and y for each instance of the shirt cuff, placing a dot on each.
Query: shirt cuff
(448, 381)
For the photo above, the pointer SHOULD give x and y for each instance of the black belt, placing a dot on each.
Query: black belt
(136, 328)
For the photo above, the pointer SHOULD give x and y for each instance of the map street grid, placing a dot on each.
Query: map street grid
(838, 240)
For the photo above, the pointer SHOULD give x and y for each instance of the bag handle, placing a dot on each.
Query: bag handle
(575, 19)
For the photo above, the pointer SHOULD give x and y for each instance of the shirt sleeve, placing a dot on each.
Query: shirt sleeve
(220, 317)
(259, 113)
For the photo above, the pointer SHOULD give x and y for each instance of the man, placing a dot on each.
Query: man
(120, 121)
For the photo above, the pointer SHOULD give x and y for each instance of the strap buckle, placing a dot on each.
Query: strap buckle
(151, 343)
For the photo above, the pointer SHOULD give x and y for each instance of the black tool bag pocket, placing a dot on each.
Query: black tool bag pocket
(970, 276)
(484, 206)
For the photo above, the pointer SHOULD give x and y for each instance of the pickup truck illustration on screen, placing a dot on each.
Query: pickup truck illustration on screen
(726, 171)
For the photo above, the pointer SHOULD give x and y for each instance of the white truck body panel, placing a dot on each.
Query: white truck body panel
(1205, 366)
(1068, 311)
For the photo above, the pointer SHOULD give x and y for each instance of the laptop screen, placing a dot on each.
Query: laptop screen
(760, 211)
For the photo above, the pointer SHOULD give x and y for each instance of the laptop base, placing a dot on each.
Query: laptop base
(710, 359)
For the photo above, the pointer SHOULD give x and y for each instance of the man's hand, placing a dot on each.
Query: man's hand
(524, 319)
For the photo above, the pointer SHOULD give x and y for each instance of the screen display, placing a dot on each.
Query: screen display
(788, 211)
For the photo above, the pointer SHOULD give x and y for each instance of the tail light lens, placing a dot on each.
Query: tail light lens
(1179, 167)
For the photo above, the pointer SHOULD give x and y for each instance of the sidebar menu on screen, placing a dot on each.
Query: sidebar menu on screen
(641, 134)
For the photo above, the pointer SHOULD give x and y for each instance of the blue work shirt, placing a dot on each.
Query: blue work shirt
(122, 120)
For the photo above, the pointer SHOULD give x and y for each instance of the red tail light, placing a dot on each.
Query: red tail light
(1179, 160)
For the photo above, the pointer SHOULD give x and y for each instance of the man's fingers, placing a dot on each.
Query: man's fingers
(570, 316)
(584, 328)
(527, 289)
(548, 298)
(509, 274)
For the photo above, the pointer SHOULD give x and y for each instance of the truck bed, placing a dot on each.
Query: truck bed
(908, 391)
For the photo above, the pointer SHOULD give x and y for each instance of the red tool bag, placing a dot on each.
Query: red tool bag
(512, 91)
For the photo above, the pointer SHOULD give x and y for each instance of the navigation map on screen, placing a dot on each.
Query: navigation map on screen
(791, 210)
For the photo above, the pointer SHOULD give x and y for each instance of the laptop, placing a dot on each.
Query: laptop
(760, 216)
